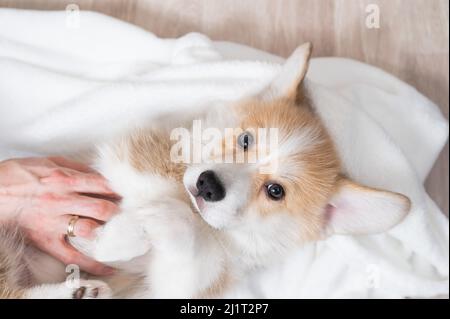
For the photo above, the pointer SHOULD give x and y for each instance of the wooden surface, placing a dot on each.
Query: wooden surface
(412, 41)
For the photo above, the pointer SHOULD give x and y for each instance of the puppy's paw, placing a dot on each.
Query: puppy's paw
(92, 289)
(87, 289)
(121, 239)
(170, 225)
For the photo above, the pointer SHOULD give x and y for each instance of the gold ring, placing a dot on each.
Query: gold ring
(71, 226)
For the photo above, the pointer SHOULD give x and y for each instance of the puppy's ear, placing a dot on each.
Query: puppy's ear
(356, 209)
(288, 83)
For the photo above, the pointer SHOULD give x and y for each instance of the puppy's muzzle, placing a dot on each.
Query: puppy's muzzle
(209, 186)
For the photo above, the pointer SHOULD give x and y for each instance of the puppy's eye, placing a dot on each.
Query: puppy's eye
(245, 140)
(275, 191)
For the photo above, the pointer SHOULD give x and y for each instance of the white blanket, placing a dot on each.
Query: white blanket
(66, 85)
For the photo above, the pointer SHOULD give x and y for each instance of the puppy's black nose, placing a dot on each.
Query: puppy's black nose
(210, 187)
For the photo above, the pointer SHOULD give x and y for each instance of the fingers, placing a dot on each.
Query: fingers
(83, 227)
(95, 208)
(78, 182)
(65, 162)
(69, 255)
(56, 246)
(91, 184)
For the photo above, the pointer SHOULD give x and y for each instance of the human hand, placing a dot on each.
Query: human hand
(42, 194)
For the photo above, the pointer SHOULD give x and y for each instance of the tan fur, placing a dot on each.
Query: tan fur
(149, 151)
(313, 171)
(12, 269)
(6, 290)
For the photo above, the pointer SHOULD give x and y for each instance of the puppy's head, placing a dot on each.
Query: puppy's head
(287, 184)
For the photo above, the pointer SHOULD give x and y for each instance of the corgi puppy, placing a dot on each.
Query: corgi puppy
(192, 229)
